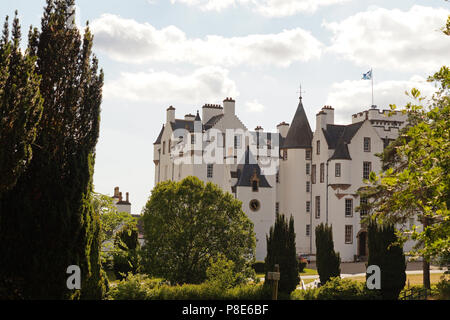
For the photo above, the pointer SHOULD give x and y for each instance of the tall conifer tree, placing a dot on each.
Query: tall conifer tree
(48, 222)
(327, 260)
(281, 250)
(20, 106)
(385, 252)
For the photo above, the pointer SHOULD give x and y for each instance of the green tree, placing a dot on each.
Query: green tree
(281, 250)
(186, 223)
(20, 106)
(415, 181)
(327, 260)
(126, 258)
(48, 222)
(387, 253)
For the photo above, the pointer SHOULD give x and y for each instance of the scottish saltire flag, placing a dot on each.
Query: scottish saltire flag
(367, 75)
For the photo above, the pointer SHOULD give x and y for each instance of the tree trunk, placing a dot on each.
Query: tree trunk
(426, 262)
(426, 274)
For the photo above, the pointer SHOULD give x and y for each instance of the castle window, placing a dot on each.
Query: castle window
(277, 208)
(349, 207)
(164, 147)
(308, 168)
(337, 169)
(277, 177)
(210, 170)
(313, 174)
(348, 234)
(255, 185)
(192, 139)
(237, 141)
(308, 186)
(366, 144)
(317, 207)
(308, 206)
(322, 172)
(308, 154)
(367, 168)
(255, 205)
(362, 203)
(318, 147)
(308, 230)
(285, 154)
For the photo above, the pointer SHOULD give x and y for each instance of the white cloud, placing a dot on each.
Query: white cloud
(282, 8)
(254, 106)
(202, 85)
(126, 40)
(393, 39)
(349, 97)
(268, 8)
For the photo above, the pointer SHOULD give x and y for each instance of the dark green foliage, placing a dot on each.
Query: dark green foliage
(337, 289)
(20, 106)
(328, 261)
(186, 223)
(259, 267)
(139, 287)
(125, 256)
(47, 220)
(385, 252)
(281, 251)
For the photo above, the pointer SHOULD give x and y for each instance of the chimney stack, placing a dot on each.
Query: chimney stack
(330, 114)
(128, 197)
(229, 107)
(170, 114)
(120, 196)
(283, 129)
(116, 192)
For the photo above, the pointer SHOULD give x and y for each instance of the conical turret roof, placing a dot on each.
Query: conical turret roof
(299, 134)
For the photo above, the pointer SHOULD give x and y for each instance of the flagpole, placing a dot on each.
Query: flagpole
(371, 72)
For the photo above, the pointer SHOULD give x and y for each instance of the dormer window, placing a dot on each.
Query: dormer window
(255, 186)
(254, 181)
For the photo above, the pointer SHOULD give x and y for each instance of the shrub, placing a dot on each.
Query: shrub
(443, 288)
(337, 289)
(302, 263)
(139, 287)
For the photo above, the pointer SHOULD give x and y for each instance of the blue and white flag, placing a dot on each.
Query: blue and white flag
(367, 75)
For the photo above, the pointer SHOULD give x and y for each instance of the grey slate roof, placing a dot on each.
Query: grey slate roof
(246, 171)
(335, 132)
(341, 151)
(182, 124)
(211, 122)
(158, 140)
(299, 134)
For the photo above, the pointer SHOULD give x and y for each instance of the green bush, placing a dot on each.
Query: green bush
(443, 288)
(337, 289)
(302, 263)
(259, 266)
(139, 287)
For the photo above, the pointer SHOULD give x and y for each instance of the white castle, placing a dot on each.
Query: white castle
(313, 176)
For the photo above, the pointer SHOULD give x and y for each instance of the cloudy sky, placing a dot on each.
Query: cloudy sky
(185, 53)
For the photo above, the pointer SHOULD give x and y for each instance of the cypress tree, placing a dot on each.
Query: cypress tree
(327, 260)
(385, 252)
(20, 106)
(281, 250)
(47, 220)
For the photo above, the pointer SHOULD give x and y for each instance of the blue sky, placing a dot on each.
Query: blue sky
(185, 53)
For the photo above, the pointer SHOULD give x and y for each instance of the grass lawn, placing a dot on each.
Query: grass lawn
(307, 271)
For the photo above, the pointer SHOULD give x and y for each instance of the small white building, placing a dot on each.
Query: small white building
(123, 205)
(316, 177)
